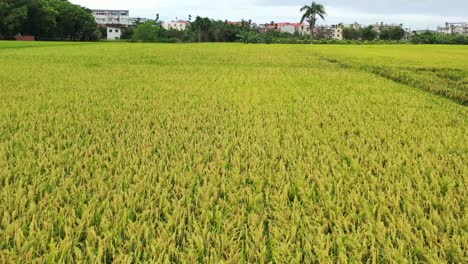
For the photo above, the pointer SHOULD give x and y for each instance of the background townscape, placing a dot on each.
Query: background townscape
(61, 20)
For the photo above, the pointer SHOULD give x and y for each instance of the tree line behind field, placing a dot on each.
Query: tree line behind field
(62, 20)
(47, 20)
(209, 30)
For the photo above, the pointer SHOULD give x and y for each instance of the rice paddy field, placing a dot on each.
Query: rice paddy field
(230, 153)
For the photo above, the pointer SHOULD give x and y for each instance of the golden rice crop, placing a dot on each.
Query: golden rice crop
(115, 152)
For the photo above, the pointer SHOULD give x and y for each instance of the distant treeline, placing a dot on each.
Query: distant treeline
(437, 38)
(47, 20)
(204, 29)
(62, 20)
(199, 30)
(209, 30)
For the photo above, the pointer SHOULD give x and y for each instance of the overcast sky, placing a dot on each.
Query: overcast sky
(417, 14)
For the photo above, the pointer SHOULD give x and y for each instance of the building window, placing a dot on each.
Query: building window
(116, 31)
(110, 30)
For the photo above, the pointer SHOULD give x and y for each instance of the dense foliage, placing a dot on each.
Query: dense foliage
(209, 30)
(366, 33)
(202, 29)
(216, 153)
(47, 20)
(392, 33)
(436, 38)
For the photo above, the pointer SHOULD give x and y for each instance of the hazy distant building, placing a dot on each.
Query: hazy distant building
(460, 28)
(180, 25)
(113, 20)
(355, 25)
(112, 17)
(137, 20)
(329, 31)
(287, 27)
(377, 27)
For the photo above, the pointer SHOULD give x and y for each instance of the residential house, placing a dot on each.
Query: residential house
(460, 28)
(290, 28)
(114, 32)
(180, 25)
(329, 31)
(115, 21)
(355, 25)
(377, 27)
(323, 31)
(284, 27)
(304, 29)
(269, 26)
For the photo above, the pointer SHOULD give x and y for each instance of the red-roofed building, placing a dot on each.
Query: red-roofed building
(285, 27)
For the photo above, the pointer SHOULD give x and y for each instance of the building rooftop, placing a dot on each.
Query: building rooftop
(107, 10)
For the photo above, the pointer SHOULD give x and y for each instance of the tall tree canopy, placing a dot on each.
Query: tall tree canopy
(311, 14)
(202, 26)
(47, 19)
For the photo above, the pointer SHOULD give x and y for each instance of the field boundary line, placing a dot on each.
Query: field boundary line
(400, 75)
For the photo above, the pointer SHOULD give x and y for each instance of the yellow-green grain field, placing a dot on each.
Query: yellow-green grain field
(230, 153)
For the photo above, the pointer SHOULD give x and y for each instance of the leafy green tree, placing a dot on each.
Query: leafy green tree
(47, 19)
(14, 21)
(201, 26)
(392, 33)
(437, 38)
(311, 15)
(248, 36)
(76, 24)
(146, 32)
(352, 33)
(127, 33)
(368, 33)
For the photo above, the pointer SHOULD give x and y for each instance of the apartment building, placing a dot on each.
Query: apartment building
(115, 21)
(460, 28)
(323, 31)
(112, 17)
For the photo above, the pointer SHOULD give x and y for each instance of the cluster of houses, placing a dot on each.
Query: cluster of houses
(117, 20)
(454, 28)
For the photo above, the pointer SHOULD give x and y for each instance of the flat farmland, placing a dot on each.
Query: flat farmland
(230, 153)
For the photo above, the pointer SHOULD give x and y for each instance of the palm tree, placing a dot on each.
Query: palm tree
(311, 15)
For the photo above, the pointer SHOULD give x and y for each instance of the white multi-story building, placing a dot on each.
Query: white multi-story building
(113, 20)
(112, 17)
(460, 28)
(180, 25)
